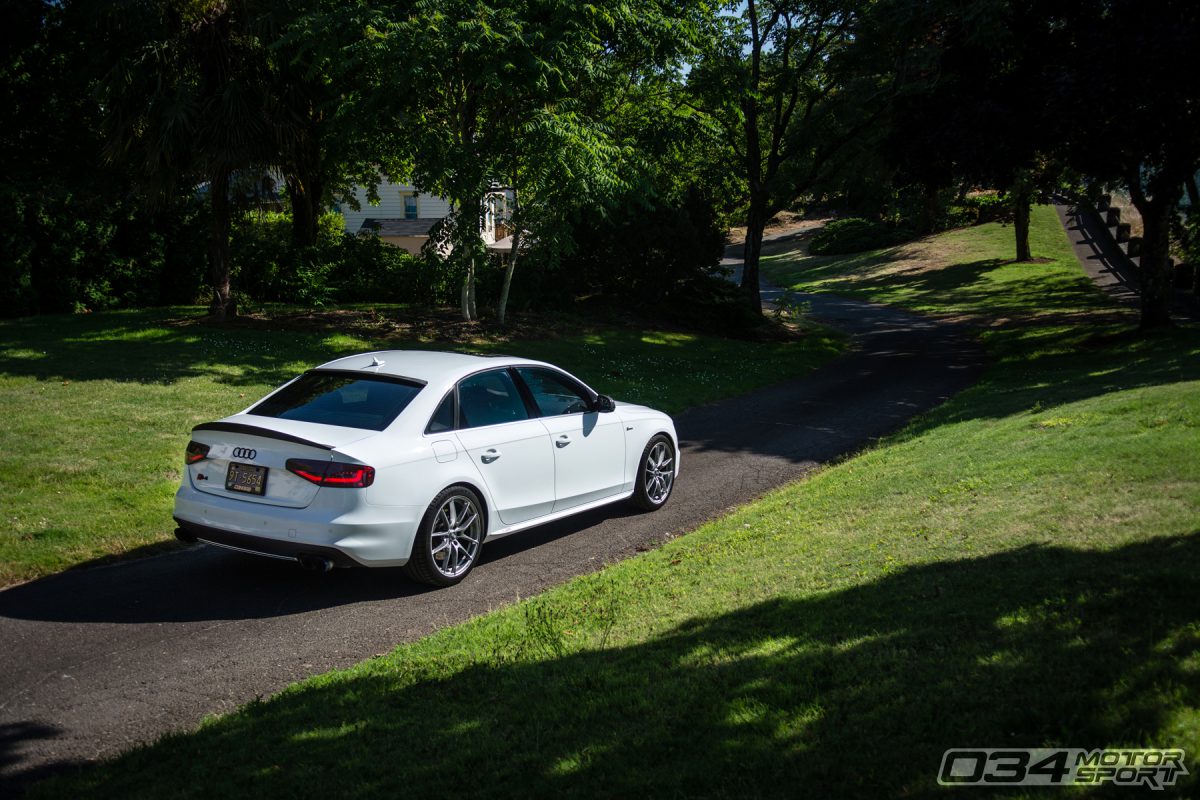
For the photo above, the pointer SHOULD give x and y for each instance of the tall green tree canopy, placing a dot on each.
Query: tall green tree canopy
(774, 77)
(520, 93)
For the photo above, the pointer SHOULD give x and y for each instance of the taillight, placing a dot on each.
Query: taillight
(332, 473)
(195, 452)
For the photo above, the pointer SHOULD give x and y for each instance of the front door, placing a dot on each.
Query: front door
(589, 447)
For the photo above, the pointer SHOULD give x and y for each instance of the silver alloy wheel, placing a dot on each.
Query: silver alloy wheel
(658, 473)
(456, 535)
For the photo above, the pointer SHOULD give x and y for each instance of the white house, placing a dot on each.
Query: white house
(405, 216)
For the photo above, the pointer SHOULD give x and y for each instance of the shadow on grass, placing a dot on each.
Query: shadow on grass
(996, 287)
(854, 692)
(155, 346)
(1053, 366)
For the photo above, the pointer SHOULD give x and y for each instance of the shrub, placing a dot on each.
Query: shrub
(340, 267)
(854, 235)
(64, 252)
(648, 256)
(711, 304)
(370, 270)
(977, 209)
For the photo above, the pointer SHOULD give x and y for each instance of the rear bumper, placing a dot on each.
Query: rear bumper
(334, 527)
(257, 545)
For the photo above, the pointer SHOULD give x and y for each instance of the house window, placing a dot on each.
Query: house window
(410, 205)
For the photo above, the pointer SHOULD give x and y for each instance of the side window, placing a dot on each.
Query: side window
(490, 398)
(555, 393)
(443, 418)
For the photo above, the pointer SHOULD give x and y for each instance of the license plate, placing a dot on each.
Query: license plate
(246, 478)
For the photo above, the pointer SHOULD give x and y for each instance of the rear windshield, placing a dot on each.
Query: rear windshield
(332, 398)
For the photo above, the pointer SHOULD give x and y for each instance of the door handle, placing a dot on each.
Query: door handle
(562, 441)
(490, 456)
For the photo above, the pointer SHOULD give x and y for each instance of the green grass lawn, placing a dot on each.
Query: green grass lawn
(98, 407)
(1018, 568)
(966, 272)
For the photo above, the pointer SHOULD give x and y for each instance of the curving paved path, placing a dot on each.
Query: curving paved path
(96, 660)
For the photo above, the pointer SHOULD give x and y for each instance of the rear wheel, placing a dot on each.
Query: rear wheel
(656, 474)
(449, 538)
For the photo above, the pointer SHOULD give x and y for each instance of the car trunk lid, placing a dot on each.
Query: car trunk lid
(260, 447)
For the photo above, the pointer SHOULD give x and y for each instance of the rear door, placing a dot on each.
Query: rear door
(511, 450)
(589, 447)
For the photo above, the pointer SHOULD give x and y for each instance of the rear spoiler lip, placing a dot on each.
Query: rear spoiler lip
(254, 430)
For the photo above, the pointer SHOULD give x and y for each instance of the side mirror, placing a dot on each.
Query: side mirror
(604, 403)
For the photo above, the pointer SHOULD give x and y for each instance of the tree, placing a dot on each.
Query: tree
(965, 111)
(320, 106)
(1133, 120)
(184, 103)
(74, 233)
(512, 92)
(770, 79)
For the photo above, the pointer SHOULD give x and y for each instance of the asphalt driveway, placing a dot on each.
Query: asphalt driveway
(96, 660)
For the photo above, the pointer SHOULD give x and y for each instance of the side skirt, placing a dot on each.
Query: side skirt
(566, 512)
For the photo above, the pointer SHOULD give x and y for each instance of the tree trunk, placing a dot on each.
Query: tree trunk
(467, 297)
(1155, 272)
(467, 244)
(511, 264)
(1193, 194)
(464, 299)
(1156, 203)
(756, 223)
(929, 210)
(471, 289)
(304, 194)
(223, 304)
(509, 268)
(44, 279)
(462, 254)
(1022, 200)
(305, 187)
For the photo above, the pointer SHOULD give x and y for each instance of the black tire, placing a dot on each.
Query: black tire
(442, 563)
(656, 474)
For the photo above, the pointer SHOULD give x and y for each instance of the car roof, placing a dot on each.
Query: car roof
(428, 366)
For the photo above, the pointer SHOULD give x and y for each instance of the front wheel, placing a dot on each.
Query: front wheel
(449, 538)
(656, 474)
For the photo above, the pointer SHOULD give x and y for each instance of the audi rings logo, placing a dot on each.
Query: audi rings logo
(247, 453)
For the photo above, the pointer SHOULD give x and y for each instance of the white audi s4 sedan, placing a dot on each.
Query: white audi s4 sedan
(415, 459)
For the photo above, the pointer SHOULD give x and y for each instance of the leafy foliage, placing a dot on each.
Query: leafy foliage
(610, 265)
(977, 209)
(772, 79)
(854, 235)
(74, 235)
(519, 92)
(338, 268)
